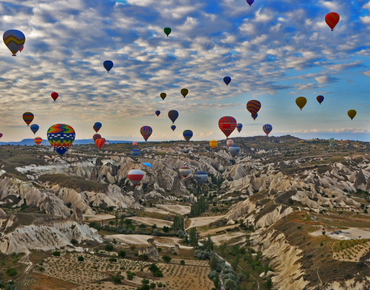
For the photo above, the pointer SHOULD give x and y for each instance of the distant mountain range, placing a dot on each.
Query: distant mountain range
(30, 142)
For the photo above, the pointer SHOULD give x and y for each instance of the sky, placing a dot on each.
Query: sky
(274, 51)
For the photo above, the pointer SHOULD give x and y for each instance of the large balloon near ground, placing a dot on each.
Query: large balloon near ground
(184, 171)
(227, 80)
(301, 102)
(267, 129)
(227, 125)
(97, 126)
(352, 114)
(173, 127)
(187, 135)
(213, 144)
(135, 176)
(108, 64)
(146, 131)
(38, 140)
(34, 128)
(201, 177)
(14, 40)
(163, 95)
(184, 92)
(229, 142)
(234, 150)
(239, 127)
(96, 137)
(173, 115)
(167, 31)
(61, 137)
(55, 96)
(332, 19)
(100, 143)
(320, 99)
(28, 118)
(135, 152)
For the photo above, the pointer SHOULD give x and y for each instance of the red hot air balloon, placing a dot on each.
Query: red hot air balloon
(135, 176)
(229, 142)
(100, 142)
(227, 125)
(332, 19)
(54, 96)
(38, 140)
(146, 131)
(134, 143)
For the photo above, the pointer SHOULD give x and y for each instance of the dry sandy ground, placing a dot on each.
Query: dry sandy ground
(177, 209)
(215, 231)
(97, 217)
(219, 240)
(203, 221)
(151, 221)
(156, 210)
(349, 234)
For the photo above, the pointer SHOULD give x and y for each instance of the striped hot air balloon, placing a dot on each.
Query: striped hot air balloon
(201, 177)
(332, 19)
(213, 144)
(38, 140)
(135, 176)
(227, 125)
(135, 152)
(146, 131)
(184, 171)
(267, 128)
(253, 106)
(14, 40)
(100, 142)
(61, 137)
(28, 118)
(96, 137)
(187, 135)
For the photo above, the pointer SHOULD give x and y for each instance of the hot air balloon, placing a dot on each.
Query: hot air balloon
(157, 113)
(332, 19)
(239, 127)
(184, 171)
(100, 143)
(267, 129)
(254, 116)
(352, 114)
(173, 115)
(106, 143)
(332, 142)
(135, 152)
(187, 135)
(227, 80)
(301, 102)
(148, 164)
(167, 30)
(320, 99)
(184, 92)
(134, 143)
(96, 137)
(213, 144)
(201, 177)
(20, 50)
(14, 40)
(135, 176)
(97, 126)
(227, 125)
(234, 150)
(173, 127)
(38, 140)
(253, 106)
(229, 142)
(250, 2)
(1, 135)
(61, 137)
(28, 118)
(55, 96)
(108, 64)
(163, 96)
(146, 131)
(34, 128)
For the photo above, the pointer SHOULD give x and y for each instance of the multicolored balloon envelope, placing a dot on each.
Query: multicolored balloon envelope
(14, 40)
(320, 99)
(234, 150)
(213, 144)
(187, 135)
(332, 19)
(184, 171)
(97, 126)
(135, 152)
(163, 96)
(227, 125)
(96, 137)
(135, 176)
(227, 80)
(250, 2)
(100, 142)
(239, 127)
(146, 131)
(148, 164)
(134, 143)
(167, 31)
(38, 140)
(184, 92)
(55, 96)
(301, 102)
(173, 115)
(61, 137)
(28, 118)
(254, 116)
(1, 135)
(267, 129)
(332, 142)
(352, 114)
(108, 64)
(34, 128)
(158, 112)
(173, 127)
(201, 177)
(253, 106)
(229, 142)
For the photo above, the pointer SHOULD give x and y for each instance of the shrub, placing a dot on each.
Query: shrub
(117, 279)
(152, 286)
(166, 258)
(122, 254)
(11, 272)
(80, 259)
(112, 260)
(56, 254)
(182, 262)
(41, 269)
(74, 242)
(109, 247)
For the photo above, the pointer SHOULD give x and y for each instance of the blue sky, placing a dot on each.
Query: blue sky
(274, 51)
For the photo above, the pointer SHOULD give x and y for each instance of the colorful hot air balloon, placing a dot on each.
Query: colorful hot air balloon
(352, 114)
(227, 80)
(227, 125)
(157, 113)
(108, 64)
(301, 102)
(106, 143)
(229, 142)
(28, 118)
(234, 150)
(146, 131)
(267, 129)
(184, 92)
(100, 142)
(135, 152)
(167, 30)
(61, 137)
(163, 96)
(148, 164)
(201, 177)
(320, 99)
(253, 106)
(1, 135)
(332, 19)
(250, 2)
(38, 140)
(173, 127)
(134, 143)
(20, 50)
(187, 135)
(97, 126)
(173, 115)
(184, 171)
(14, 40)
(34, 128)
(239, 127)
(213, 144)
(135, 176)
(332, 142)
(55, 96)
(254, 116)
(96, 137)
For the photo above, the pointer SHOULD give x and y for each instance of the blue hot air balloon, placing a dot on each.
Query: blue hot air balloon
(34, 128)
(173, 115)
(320, 99)
(267, 129)
(227, 80)
(148, 164)
(173, 127)
(239, 127)
(250, 2)
(158, 112)
(187, 135)
(108, 64)
(135, 152)
(234, 150)
(97, 126)
(201, 177)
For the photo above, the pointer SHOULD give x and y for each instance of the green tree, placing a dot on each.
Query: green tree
(166, 258)
(11, 272)
(80, 259)
(122, 254)
(109, 247)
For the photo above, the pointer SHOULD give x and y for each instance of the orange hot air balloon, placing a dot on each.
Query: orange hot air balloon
(28, 118)
(38, 140)
(301, 102)
(213, 144)
(332, 19)
(100, 142)
(54, 95)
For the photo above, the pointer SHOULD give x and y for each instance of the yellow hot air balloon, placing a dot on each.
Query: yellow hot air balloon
(213, 144)
(301, 102)
(352, 114)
